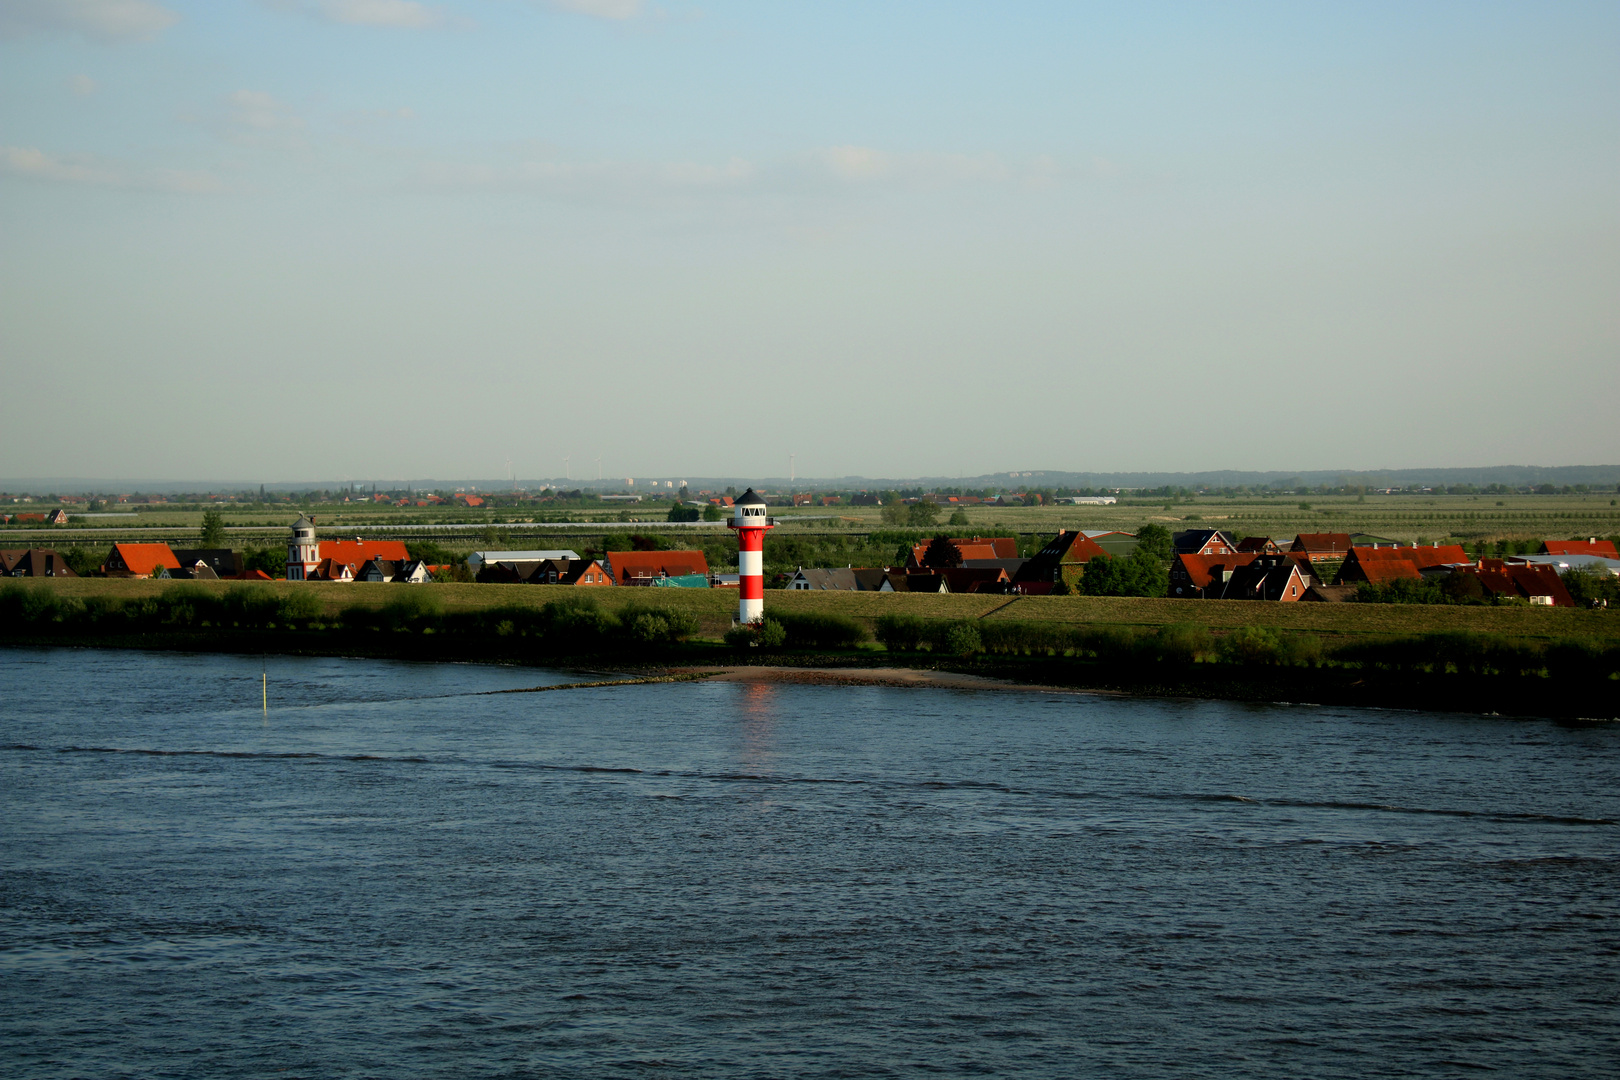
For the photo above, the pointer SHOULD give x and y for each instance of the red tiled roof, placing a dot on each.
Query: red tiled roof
(1602, 548)
(358, 551)
(142, 559)
(1318, 543)
(631, 565)
(1391, 563)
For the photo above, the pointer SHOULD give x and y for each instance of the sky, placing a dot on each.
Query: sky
(268, 240)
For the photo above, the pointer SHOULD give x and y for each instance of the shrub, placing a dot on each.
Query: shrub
(816, 630)
(763, 634)
(901, 633)
(656, 626)
(298, 607)
(1180, 643)
(188, 606)
(1250, 645)
(962, 639)
(250, 605)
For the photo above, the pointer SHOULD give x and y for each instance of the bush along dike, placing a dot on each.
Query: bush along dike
(1564, 677)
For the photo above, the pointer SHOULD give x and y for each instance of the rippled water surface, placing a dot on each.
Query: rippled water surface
(388, 875)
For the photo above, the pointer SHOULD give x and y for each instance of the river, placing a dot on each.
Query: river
(392, 873)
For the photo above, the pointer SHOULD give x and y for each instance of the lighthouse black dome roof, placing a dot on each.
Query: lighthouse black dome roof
(750, 499)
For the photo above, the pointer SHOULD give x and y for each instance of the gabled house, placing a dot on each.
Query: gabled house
(139, 560)
(1268, 577)
(1539, 584)
(571, 572)
(986, 579)
(34, 562)
(334, 570)
(1377, 565)
(1200, 577)
(1203, 542)
(196, 571)
(1322, 547)
(1260, 545)
(978, 547)
(642, 567)
(837, 579)
(224, 562)
(57, 517)
(1603, 549)
(1062, 559)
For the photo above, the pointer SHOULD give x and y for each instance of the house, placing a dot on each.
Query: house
(816, 580)
(831, 500)
(28, 519)
(223, 562)
(139, 560)
(1260, 545)
(641, 567)
(1377, 565)
(1268, 577)
(1565, 563)
(333, 570)
(507, 571)
(1604, 549)
(868, 498)
(571, 572)
(478, 558)
(196, 571)
(934, 583)
(1539, 584)
(978, 547)
(1322, 547)
(1062, 559)
(57, 517)
(1196, 577)
(986, 579)
(1203, 542)
(803, 498)
(309, 559)
(34, 562)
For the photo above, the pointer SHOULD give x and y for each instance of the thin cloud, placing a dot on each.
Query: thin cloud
(83, 85)
(616, 10)
(399, 14)
(101, 20)
(32, 163)
(258, 111)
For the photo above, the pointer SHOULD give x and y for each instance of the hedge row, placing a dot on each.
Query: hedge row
(574, 624)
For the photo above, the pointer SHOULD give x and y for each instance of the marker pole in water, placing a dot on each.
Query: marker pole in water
(265, 686)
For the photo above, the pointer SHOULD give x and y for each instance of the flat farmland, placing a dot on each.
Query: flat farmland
(1407, 518)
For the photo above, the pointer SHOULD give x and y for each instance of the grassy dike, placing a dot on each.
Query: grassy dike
(1511, 659)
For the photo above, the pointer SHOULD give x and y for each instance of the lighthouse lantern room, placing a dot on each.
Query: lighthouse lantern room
(749, 520)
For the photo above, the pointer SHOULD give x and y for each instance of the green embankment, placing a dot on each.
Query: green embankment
(1508, 659)
(714, 608)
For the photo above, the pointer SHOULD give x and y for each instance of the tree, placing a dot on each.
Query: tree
(894, 513)
(683, 513)
(959, 518)
(213, 529)
(1138, 574)
(942, 553)
(713, 513)
(1156, 541)
(922, 513)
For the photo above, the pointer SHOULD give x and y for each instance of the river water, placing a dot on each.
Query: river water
(389, 874)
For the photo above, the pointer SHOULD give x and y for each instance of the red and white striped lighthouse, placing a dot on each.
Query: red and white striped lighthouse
(749, 520)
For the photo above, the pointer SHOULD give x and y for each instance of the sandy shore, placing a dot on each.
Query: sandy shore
(860, 677)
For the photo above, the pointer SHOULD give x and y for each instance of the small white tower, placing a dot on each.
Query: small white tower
(303, 550)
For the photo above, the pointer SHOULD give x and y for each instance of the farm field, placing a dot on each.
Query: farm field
(1407, 518)
(714, 608)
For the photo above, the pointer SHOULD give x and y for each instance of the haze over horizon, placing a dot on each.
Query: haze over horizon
(304, 238)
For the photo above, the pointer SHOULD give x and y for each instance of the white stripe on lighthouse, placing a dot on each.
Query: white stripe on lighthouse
(751, 563)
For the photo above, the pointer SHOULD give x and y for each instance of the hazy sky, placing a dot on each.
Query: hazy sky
(295, 239)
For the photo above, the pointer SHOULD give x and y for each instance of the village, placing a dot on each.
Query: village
(1194, 564)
